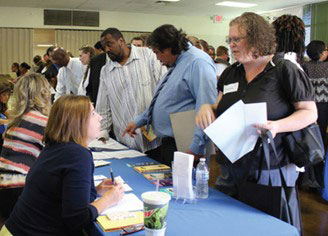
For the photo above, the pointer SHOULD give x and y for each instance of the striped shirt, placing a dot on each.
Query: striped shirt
(22, 145)
(126, 91)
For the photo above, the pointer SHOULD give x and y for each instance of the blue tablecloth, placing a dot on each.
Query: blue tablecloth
(217, 215)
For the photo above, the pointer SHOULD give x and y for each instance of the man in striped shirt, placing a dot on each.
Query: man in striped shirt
(127, 84)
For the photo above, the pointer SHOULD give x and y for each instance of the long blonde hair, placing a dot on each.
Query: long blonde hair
(32, 92)
(68, 120)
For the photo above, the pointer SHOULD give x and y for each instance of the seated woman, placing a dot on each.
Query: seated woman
(4, 98)
(23, 137)
(59, 197)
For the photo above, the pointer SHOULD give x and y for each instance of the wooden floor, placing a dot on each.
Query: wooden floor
(314, 209)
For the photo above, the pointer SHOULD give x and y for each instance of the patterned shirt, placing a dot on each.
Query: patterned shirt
(22, 145)
(126, 91)
(318, 73)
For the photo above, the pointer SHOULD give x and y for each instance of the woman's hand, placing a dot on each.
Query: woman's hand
(114, 194)
(205, 116)
(104, 186)
(272, 126)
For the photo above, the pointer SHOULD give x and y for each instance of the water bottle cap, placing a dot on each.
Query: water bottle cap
(202, 159)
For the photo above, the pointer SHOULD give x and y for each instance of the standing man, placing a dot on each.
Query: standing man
(189, 83)
(127, 84)
(70, 73)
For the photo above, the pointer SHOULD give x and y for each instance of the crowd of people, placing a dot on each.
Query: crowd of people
(127, 91)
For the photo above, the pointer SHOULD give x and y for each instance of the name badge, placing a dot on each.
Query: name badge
(230, 88)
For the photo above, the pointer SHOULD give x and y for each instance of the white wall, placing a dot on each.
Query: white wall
(199, 26)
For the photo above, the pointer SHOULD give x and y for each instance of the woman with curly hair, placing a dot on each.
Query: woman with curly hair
(258, 76)
(23, 137)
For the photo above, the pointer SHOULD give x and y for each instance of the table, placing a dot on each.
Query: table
(217, 215)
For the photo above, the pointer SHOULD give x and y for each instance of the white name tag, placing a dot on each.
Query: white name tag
(230, 88)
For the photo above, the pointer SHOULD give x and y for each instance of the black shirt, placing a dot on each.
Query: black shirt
(280, 85)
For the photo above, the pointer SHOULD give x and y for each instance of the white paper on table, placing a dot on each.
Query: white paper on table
(126, 187)
(99, 163)
(110, 143)
(233, 132)
(130, 202)
(98, 178)
(182, 175)
(117, 154)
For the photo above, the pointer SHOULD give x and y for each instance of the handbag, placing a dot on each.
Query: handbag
(305, 147)
(281, 202)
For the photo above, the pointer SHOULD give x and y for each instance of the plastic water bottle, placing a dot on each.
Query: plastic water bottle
(202, 176)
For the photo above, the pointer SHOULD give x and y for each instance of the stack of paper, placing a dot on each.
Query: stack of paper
(110, 144)
(118, 220)
(117, 154)
(130, 202)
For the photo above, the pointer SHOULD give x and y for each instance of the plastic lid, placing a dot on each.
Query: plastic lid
(155, 198)
(202, 159)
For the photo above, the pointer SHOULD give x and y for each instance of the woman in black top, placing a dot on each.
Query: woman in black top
(59, 197)
(317, 70)
(259, 77)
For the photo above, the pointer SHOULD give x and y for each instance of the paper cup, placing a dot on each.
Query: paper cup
(155, 232)
(155, 209)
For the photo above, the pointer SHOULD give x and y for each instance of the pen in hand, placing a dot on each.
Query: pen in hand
(112, 176)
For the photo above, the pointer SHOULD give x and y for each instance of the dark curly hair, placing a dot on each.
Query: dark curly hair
(259, 33)
(315, 49)
(290, 34)
(167, 36)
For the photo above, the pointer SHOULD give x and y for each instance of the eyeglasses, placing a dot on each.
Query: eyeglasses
(234, 39)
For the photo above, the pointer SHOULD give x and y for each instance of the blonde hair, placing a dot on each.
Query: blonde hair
(68, 120)
(32, 92)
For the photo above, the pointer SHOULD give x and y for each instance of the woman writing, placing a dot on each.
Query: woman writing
(259, 77)
(60, 197)
(23, 137)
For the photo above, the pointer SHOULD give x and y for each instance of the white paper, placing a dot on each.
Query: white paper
(110, 143)
(130, 202)
(182, 176)
(99, 177)
(233, 132)
(117, 154)
(99, 163)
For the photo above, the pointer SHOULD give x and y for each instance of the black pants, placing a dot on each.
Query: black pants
(8, 199)
(164, 153)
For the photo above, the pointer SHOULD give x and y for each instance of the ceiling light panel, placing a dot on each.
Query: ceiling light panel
(236, 4)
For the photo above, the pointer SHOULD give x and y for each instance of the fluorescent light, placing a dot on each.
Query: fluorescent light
(236, 4)
(169, 0)
(44, 45)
